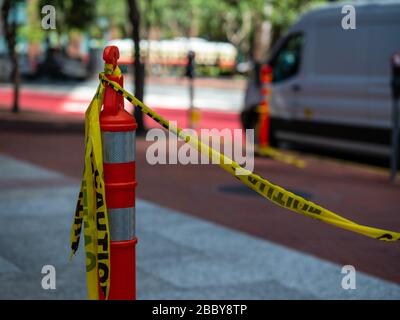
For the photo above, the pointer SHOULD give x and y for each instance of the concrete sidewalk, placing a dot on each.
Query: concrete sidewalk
(179, 256)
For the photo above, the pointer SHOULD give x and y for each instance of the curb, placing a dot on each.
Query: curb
(27, 121)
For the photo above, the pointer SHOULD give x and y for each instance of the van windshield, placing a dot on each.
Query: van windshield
(286, 62)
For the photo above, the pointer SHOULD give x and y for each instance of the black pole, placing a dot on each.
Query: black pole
(395, 140)
(10, 31)
(190, 67)
(191, 97)
(139, 72)
(395, 84)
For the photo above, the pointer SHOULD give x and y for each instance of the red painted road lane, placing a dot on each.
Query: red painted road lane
(355, 192)
(57, 103)
(42, 101)
(208, 119)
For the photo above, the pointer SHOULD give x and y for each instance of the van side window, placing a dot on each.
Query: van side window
(286, 62)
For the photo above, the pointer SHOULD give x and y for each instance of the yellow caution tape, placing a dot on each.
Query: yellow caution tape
(91, 208)
(268, 190)
(281, 157)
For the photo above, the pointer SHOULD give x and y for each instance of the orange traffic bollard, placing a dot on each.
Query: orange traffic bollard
(118, 139)
(263, 109)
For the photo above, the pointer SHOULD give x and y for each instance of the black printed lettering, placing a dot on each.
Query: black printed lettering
(314, 210)
(253, 181)
(278, 199)
(99, 200)
(103, 242)
(385, 236)
(103, 272)
(270, 192)
(101, 226)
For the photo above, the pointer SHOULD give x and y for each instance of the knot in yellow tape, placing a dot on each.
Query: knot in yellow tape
(110, 69)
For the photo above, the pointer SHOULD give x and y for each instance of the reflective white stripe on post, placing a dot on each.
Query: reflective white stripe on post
(122, 224)
(118, 147)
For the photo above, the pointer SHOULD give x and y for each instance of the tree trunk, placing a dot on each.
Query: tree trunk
(257, 45)
(10, 31)
(134, 17)
(276, 33)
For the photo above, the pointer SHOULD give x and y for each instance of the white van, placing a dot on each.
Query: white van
(331, 86)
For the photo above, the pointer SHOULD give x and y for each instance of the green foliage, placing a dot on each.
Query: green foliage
(173, 17)
(209, 16)
(285, 12)
(222, 20)
(72, 14)
(32, 30)
(219, 20)
(114, 12)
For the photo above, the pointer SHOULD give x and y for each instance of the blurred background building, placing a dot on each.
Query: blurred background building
(223, 34)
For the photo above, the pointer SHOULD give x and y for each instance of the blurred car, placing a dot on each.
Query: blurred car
(26, 68)
(58, 65)
(5, 68)
(331, 86)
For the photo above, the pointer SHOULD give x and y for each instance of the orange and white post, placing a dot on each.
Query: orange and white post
(263, 109)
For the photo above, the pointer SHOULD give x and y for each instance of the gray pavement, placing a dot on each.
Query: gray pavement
(179, 256)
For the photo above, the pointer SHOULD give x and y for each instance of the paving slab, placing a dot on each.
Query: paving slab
(179, 256)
